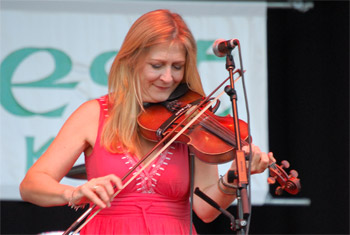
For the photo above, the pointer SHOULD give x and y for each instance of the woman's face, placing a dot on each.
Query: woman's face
(161, 71)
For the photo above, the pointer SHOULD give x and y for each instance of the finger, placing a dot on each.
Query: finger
(102, 193)
(112, 182)
(256, 155)
(263, 163)
(90, 194)
(260, 161)
(246, 148)
(117, 181)
(108, 187)
(271, 157)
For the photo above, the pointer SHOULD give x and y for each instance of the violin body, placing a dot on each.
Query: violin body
(211, 138)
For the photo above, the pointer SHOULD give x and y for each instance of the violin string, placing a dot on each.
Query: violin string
(226, 130)
(215, 123)
(215, 126)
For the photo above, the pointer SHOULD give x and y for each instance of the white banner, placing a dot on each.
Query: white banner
(55, 55)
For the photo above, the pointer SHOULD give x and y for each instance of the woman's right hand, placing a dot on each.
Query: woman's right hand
(98, 191)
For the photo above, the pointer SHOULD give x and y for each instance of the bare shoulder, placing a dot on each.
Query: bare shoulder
(86, 118)
(83, 122)
(91, 107)
(87, 112)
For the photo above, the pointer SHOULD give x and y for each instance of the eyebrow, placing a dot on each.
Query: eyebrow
(161, 60)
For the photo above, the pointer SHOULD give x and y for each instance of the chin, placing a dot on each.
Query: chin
(159, 100)
(156, 99)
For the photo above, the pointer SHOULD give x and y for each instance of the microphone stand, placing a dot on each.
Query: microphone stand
(241, 169)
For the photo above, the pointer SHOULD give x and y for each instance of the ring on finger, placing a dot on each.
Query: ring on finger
(95, 187)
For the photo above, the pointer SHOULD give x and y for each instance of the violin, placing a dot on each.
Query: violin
(211, 138)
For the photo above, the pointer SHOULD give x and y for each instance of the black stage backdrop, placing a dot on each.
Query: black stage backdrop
(308, 82)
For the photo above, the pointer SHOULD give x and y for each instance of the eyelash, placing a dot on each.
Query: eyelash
(158, 66)
(178, 67)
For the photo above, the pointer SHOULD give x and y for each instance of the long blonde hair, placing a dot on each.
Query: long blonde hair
(124, 92)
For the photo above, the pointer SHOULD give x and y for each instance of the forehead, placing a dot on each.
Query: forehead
(166, 51)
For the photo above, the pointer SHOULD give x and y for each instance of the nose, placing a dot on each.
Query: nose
(166, 76)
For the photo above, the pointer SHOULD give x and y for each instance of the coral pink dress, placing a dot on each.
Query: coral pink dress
(155, 202)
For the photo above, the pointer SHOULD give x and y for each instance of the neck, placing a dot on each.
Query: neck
(145, 147)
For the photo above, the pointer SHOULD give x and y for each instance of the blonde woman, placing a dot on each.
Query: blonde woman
(158, 54)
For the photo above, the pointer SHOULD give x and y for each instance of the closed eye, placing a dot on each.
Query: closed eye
(156, 66)
(178, 67)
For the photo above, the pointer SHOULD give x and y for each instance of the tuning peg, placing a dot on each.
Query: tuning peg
(285, 164)
(293, 173)
(279, 191)
(271, 180)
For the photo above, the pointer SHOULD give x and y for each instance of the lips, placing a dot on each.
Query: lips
(162, 88)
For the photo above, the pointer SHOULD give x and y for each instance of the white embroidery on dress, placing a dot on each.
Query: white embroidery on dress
(103, 103)
(147, 180)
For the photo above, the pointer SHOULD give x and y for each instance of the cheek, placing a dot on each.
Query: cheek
(150, 75)
(178, 76)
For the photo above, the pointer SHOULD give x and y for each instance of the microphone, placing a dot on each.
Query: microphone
(223, 47)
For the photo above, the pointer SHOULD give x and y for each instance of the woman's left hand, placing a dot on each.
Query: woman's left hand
(260, 160)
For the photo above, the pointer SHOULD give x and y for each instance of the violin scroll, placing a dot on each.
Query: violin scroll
(289, 183)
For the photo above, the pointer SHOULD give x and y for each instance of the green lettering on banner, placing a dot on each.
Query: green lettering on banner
(32, 155)
(202, 55)
(97, 69)
(63, 66)
(225, 112)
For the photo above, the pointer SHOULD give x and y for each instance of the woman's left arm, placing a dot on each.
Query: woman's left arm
(206, 178)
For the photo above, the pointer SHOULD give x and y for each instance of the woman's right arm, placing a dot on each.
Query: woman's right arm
(41, 184)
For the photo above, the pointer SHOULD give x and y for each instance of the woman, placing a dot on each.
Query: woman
(158, 54)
